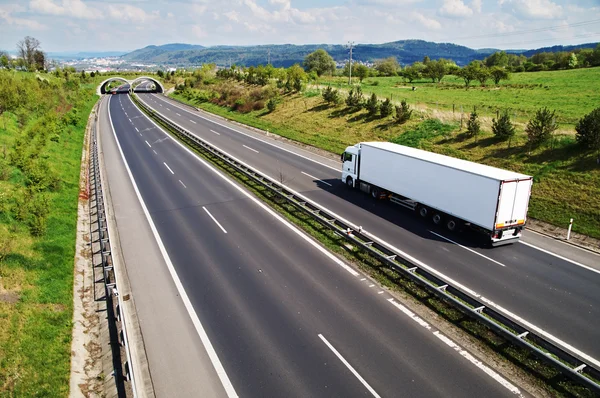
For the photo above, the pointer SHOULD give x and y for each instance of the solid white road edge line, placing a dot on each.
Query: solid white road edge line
(167, 166)
(418, 262)
(247, 147)
(213, 218)
(212, 354)
(354, 372)
(466, 248)
(257, 201)
(467, 355)
(315, 178)
(561, 257)
(261, 140)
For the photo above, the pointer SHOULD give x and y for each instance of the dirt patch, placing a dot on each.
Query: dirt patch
(9, 297)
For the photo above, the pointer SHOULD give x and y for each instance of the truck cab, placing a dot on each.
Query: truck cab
(350, 165)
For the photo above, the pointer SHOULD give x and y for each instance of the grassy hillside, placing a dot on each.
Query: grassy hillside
(573, 93)
(42, 123)
(567, 179)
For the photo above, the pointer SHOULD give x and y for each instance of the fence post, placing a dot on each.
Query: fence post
(569, 230)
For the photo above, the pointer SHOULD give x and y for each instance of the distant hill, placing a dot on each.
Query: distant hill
(406, 51)
(554, 49)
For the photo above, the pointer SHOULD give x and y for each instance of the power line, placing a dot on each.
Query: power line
(537, 30)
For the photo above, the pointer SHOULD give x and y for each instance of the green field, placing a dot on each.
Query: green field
(567, 178)
(42, 124)
(572, 93)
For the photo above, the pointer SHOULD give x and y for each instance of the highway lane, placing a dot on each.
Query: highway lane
(274, 305)
(551, 293)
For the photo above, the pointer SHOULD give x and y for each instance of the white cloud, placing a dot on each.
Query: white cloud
(501, 27)
(199, 9)
(429, 23)
(70, 8)
(126, 12)
(476, 5)
(533, 9)
(456, 9)
(6, 15)
(199, 32)
(232, 16)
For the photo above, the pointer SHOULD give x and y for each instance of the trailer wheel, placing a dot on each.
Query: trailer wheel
(451, 225)
(423, 211)
(349, 183)
(437, 219)
(375, 192)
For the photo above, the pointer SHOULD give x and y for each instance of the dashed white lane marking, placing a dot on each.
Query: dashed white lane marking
(466, 248)
(467, 355)
(160, 104)
(561, 257)
(247, 147)
(130, 121)
(140, 134)
(490, 372)
(182, 184)
(315, 178)
(363, 279)
(371, 285)
(149, 145)
(154, 152)
(177, 114)
(167, 166)
(380, 292)
(168, 109)
(136, 129)
(214, 219)
(354, 372)
(213, 131)
(193, 121)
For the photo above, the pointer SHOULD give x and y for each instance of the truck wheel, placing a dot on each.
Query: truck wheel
(375, 193)
(437, 219)
(349, 183)
(451, 225)
(422, 210)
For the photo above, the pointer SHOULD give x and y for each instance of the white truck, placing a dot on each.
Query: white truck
(449, 191)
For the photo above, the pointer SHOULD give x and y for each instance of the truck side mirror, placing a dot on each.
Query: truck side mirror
(342, 157)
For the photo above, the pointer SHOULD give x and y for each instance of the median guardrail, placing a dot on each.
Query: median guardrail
(123, 371)
(571, 366)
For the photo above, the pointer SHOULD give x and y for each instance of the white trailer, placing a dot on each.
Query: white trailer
(451, 192)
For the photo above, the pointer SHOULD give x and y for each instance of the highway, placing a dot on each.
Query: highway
(559, 298)
(285, 317)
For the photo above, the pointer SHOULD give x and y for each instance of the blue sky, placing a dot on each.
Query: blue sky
(82, 25)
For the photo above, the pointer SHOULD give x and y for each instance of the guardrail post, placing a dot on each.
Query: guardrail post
(569, 230)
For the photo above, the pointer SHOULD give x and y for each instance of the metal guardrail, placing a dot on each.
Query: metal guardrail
(123, 371)
(568, 364)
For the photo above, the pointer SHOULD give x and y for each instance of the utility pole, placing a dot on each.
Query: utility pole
(350, 44)
(269, 56)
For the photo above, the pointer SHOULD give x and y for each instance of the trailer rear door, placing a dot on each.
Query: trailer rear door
(513, 204)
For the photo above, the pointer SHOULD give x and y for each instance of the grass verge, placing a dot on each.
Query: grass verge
(546, 377)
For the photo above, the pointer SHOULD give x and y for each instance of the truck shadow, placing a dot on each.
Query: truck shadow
(394, 214)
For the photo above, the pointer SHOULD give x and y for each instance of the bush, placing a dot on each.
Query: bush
(503, 128)
(372, 105)
(331, 96)
(588, 130)
(272, 104)
(355, 98)
(473, 125)
(540, 128)
(403, 112)
(386, 108)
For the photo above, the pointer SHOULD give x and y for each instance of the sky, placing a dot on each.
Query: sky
(112, 25)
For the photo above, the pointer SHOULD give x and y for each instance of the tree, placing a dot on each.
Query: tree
(331, 96)
(4, 61)
(361, 71)
(588, 130)
(497, 74)
(436, 70)
(473, 125)
(372, 105)
(503, 128)
(387, 67)
(39, 60)
(540, 128)
(572, 63)
(27, 49)
(499, 58)
(411, 73)
(272, 104)
(319, 61)
(468, 74)
(403, 112)
(92, 74)
(160, 73)
(482, 74)
(426, 60)
(386, 108)
(295, 76)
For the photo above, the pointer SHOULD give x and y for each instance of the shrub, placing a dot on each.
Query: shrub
(473, 125)
(386, 108)
(331, 96)
(503, 128)
(372, 105)
(355, 98)
(258, 105)
(588, 130)
(403, 112)
(39, 207)
(540, 128)
(272, 104)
